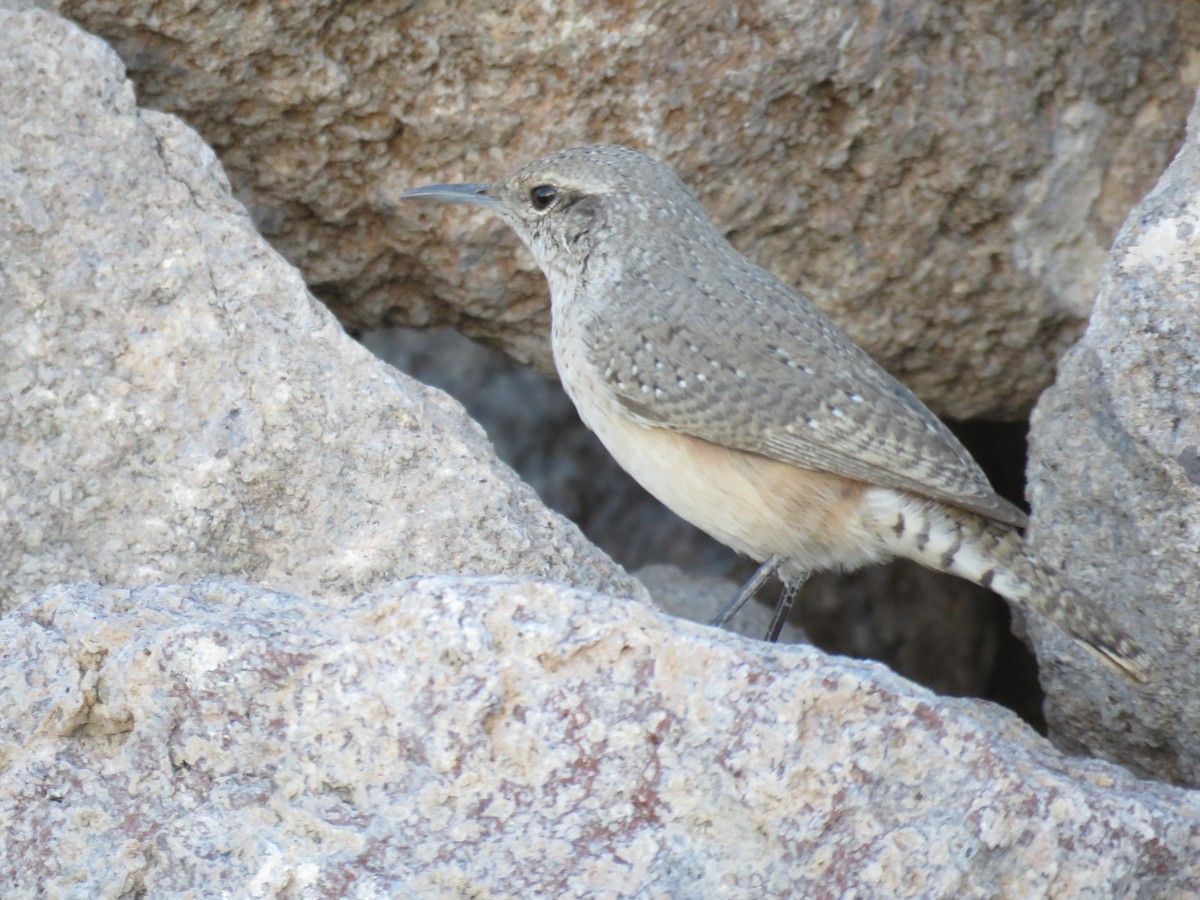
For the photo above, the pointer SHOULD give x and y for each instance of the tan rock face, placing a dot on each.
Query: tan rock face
(944, 179)
(175, 403)
(1115, 480)
(455, 737)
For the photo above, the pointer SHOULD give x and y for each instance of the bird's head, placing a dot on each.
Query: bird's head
(569, 205)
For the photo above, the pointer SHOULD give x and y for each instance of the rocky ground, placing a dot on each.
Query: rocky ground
(277, 621)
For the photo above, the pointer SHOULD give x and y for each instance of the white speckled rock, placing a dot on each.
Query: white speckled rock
(173, 402)
(469, 737)
(1115, 483)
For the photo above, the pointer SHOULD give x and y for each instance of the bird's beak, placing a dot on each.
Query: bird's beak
(475, 194)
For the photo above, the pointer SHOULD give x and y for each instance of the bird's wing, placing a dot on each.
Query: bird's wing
(781, 381)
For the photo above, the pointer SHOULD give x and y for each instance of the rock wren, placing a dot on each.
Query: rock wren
(742, 407)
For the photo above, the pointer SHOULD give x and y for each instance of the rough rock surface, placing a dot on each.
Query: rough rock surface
(944, 178)
(457, 737)
(1115, 481)
(173, 402)
(176, 406)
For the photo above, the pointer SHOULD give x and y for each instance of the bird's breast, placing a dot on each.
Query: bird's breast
(757, 506)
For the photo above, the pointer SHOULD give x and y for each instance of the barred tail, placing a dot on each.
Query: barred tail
(995, 556)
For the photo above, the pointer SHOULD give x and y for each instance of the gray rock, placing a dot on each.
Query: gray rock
(173, 402)
(475, 737)
(1115, 484)
(221, 424)
(943, 178)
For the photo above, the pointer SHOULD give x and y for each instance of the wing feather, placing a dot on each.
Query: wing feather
(783, 382)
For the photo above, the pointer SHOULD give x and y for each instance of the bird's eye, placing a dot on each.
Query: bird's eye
(543, 196)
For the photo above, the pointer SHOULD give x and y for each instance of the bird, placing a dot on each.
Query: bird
(742, 407)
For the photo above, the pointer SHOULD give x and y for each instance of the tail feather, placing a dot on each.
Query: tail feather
(995, 556)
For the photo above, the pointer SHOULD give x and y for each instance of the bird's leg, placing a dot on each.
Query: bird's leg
(749, 589)
(783, 606)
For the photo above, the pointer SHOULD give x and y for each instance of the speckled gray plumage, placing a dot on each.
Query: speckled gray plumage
(783, 382)
(693, 337)
(739, 405)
